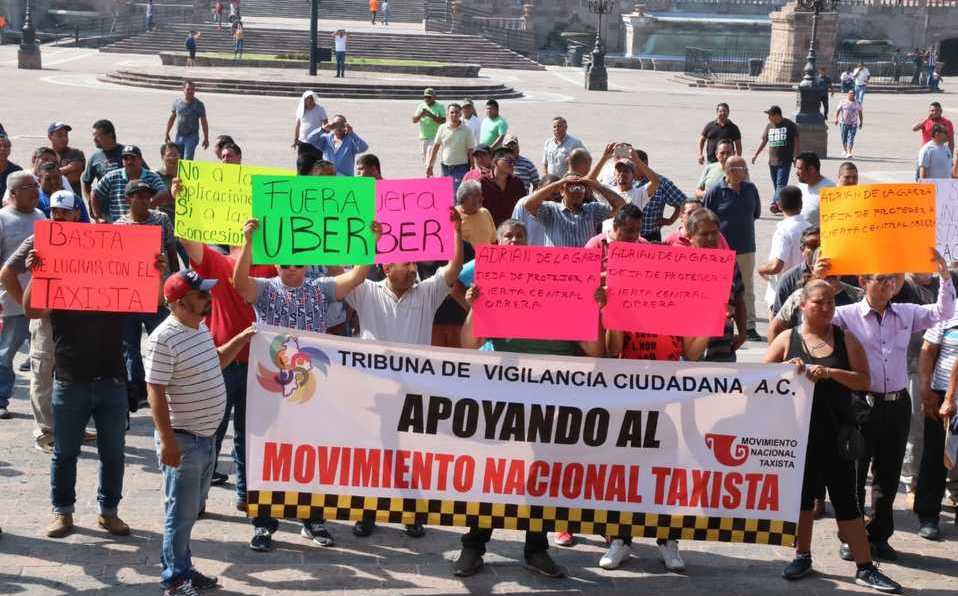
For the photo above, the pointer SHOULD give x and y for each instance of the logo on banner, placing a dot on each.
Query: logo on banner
(298, 368)
(721, 446)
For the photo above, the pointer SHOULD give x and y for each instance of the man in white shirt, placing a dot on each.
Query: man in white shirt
(401, 309)
(558, 148)
(786, 249)
(810, 182)
(861, 76)
(471, 119)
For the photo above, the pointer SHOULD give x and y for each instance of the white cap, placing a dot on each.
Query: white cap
(64, 199)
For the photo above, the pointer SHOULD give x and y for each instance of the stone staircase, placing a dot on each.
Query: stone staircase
(400, 11)
(454, 49)
(295, 88)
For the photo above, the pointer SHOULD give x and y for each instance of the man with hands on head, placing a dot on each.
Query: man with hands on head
(573, 222)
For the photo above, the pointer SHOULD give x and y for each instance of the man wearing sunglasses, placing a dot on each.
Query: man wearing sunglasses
(293, 301)
(885, 329)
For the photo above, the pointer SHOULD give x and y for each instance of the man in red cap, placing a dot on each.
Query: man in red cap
(188, 398)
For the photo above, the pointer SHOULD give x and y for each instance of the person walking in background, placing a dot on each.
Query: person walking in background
(373, 9)
(238, 41)
(918, 59)
(310, 116)
(781, 136)
(429, 115)
(218, 14)
(189, 114)
(148, 16)
(191, 47)
(339, 43)
(861, 75)
(825, 83)
(849, 117)
(384, 8)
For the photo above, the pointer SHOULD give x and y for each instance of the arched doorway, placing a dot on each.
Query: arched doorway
(948, 53)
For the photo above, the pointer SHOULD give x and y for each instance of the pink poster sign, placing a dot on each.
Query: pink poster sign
(414, 214)
(670, 290)
(534, 292)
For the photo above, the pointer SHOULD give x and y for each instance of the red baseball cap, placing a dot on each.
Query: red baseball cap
(179, 284)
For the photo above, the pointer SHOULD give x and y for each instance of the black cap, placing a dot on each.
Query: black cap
(482, 149)
(774, 110)
(131, 150)
(135, 186)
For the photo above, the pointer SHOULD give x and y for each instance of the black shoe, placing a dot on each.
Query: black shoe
(415, 530)
(884, 551)
(870, 577)
(262, 540)
(541, 562)
(318, 533)
(219, 479)
(242, 505)
(798, 568)
(752, 335)
(845, 552)
(202, 582)
(929, 530)
(468, 563)
(363, 528)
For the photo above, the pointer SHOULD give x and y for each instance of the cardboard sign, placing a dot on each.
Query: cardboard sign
(100, 267)
(946, 217)
(314, 220)
(415, 220)
(879, 228)
(534, 292)
(670, 290)
(216, 200)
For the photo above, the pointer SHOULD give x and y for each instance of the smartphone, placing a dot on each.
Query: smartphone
(623, 150)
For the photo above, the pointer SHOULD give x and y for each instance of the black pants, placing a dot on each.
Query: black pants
(885, 427)
(932, 474)
(825, 106)
(478, 537)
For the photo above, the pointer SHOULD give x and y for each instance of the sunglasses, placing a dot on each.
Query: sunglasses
(575, 188)
(292, 266)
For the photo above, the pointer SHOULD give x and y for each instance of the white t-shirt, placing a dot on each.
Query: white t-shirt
(340, 42)
(407, 320)
(638, 196)
(311, 120)
(861, 76)
(474, 124)
(787, 248)
(187, 363)
(811, 208)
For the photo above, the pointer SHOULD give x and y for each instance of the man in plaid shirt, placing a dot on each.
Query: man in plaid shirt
(666, 194)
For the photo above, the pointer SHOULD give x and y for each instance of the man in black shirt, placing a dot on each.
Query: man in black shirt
(781, 136)
(107, 158)
(716, 131)
(7, 167)
(90, 380)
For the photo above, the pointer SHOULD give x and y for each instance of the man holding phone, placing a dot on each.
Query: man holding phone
(429, 115)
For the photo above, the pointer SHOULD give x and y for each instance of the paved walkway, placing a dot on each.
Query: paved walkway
(643, 108)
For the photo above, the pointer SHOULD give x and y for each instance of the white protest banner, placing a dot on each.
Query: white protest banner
(354, 429)
(946, 217)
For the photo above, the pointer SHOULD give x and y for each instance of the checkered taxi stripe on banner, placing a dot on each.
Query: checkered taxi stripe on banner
(293, 505)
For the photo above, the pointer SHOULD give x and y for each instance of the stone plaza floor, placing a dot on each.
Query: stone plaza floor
(643, 108)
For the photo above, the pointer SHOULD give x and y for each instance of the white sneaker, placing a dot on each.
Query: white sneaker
(618, 552)
(670, 556)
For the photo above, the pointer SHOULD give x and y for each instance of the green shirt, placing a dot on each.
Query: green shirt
(492, 130)
(428, 126)
(711, 176)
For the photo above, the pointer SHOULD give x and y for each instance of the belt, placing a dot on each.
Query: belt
(893, 396)
(178, 431)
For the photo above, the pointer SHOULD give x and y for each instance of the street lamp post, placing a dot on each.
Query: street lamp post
(596, 77)
(812, 126)
(313, 37)
(28, 56)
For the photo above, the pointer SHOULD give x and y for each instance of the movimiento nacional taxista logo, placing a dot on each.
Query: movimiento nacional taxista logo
(298, 369)
(771, 452)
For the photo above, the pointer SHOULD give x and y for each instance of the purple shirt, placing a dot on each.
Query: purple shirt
(885, 339)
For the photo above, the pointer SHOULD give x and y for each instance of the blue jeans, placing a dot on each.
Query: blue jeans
(848, 135)
(16, 331)
(188, 144)
(133, 327)
(340, 64)
(779, 177)
(234, 376)
(456, 173)
(860, 93)
(73, 404)
(183, 490)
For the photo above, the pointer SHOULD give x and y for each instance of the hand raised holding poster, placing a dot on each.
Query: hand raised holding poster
(215, 200)
(415, 220)
(878, 228)
(314, 220)
(534, 292)
(669, 290)
(98, 267)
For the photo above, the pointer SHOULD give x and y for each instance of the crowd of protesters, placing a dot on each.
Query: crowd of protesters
(881, 349)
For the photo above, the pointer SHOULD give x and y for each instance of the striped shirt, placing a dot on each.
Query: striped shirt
(564, 227)
(185, 361)
(302, 308)
(666, 194)
(944, 335)
(526, 171)
(110, 191)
